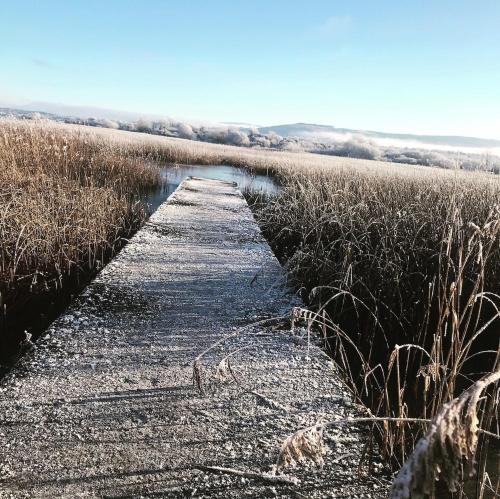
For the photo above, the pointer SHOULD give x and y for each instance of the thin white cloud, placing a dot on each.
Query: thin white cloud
(43, 63)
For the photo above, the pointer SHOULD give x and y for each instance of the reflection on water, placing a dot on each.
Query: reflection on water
(173, 175)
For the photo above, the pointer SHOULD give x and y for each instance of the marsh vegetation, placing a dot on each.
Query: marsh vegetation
(67, 203)
(400, 264)
(402, 267)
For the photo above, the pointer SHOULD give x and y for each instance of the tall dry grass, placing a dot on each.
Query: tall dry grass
(67, 200)
(403, 270)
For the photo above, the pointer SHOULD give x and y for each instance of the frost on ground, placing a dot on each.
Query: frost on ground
(105, 405)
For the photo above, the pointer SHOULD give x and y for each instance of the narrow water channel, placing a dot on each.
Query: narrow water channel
(172, 176)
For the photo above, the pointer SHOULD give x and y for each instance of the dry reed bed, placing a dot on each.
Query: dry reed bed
(403, 269)
(66, 202)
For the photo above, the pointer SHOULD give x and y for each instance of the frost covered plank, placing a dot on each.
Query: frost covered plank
(105, 405)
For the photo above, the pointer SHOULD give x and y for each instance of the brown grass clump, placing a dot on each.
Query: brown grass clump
(65, 200)
(451, 439)
(303, 445)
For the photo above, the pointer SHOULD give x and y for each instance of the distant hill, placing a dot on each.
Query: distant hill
(321, 132)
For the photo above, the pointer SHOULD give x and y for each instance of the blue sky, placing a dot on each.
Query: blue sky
(428, 66)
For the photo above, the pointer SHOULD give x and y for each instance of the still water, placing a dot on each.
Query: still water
(172, 176)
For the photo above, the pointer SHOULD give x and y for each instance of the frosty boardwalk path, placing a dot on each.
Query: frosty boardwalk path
(105, 405)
